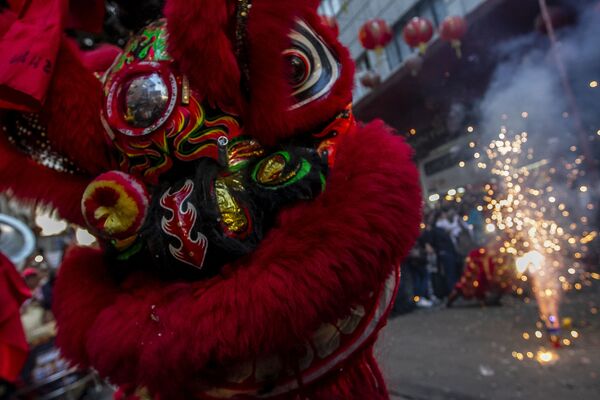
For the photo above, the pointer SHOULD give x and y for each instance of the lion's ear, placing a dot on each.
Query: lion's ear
(202, 41)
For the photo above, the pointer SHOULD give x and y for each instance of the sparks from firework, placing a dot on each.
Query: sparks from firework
(546, 288)
(531, 219)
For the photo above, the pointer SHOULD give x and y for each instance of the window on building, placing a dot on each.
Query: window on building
(330, 7)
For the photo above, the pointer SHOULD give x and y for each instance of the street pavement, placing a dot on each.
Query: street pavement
(474, 353)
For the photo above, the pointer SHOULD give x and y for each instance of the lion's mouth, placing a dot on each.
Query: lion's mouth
(330, 344)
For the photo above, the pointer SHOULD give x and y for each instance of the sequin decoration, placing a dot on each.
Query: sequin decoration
(28, 134)
(241, 43)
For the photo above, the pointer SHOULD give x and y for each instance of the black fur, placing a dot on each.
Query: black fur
(262, 203)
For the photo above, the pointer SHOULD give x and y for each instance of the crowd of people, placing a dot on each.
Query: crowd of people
(32, 325)
(455, 257)
(452, 238)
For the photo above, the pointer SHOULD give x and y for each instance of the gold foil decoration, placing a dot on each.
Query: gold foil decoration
(270, 171)
(244, 151)
(232, 214)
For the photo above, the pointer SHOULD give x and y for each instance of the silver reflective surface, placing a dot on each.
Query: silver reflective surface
(17, 241)
(146, 100)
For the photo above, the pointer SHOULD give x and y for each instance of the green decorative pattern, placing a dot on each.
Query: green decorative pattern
(150, 44)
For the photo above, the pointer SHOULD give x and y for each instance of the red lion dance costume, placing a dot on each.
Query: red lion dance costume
(250, 229)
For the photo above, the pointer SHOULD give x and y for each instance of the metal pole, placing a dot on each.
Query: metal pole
(564, 77)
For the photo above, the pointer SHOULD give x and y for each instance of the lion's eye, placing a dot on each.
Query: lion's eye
(313, 67)
(299, 67)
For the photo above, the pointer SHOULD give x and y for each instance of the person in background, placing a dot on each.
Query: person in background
(447, 220)
(47, 289)
(433, 270)
(460, 232)
(13, 346)
(32, 280)
(37, 319)
(417, 263)
(448, 261)
(476, 219)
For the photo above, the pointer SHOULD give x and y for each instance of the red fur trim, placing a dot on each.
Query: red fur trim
(89, 286)
(101, 58)
(164, 335)
(86, 15)
(199, 40)
(72, 114)
(31, 181)
(360, 378)
(7, 18)
(268, 117)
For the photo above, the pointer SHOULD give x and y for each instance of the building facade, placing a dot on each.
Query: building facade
(435, 107)
(352, 14)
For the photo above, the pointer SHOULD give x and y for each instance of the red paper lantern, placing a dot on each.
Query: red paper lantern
(331, 22)
(418, 32)
(375, 34)
(452, 30)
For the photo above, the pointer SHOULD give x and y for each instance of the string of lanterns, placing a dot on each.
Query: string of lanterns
(417, 33)
(375, 34)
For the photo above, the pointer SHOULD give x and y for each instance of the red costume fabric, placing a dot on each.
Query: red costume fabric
(296, 315)
(13, 346)
(483, 275)
(31, 43)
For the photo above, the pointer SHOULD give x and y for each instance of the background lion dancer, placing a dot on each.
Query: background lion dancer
(250, 229)
(487, 277)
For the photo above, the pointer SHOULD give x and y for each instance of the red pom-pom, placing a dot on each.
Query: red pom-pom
(115, 204)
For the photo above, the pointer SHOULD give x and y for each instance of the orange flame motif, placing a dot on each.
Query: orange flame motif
(191, 249)
(190, 134)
